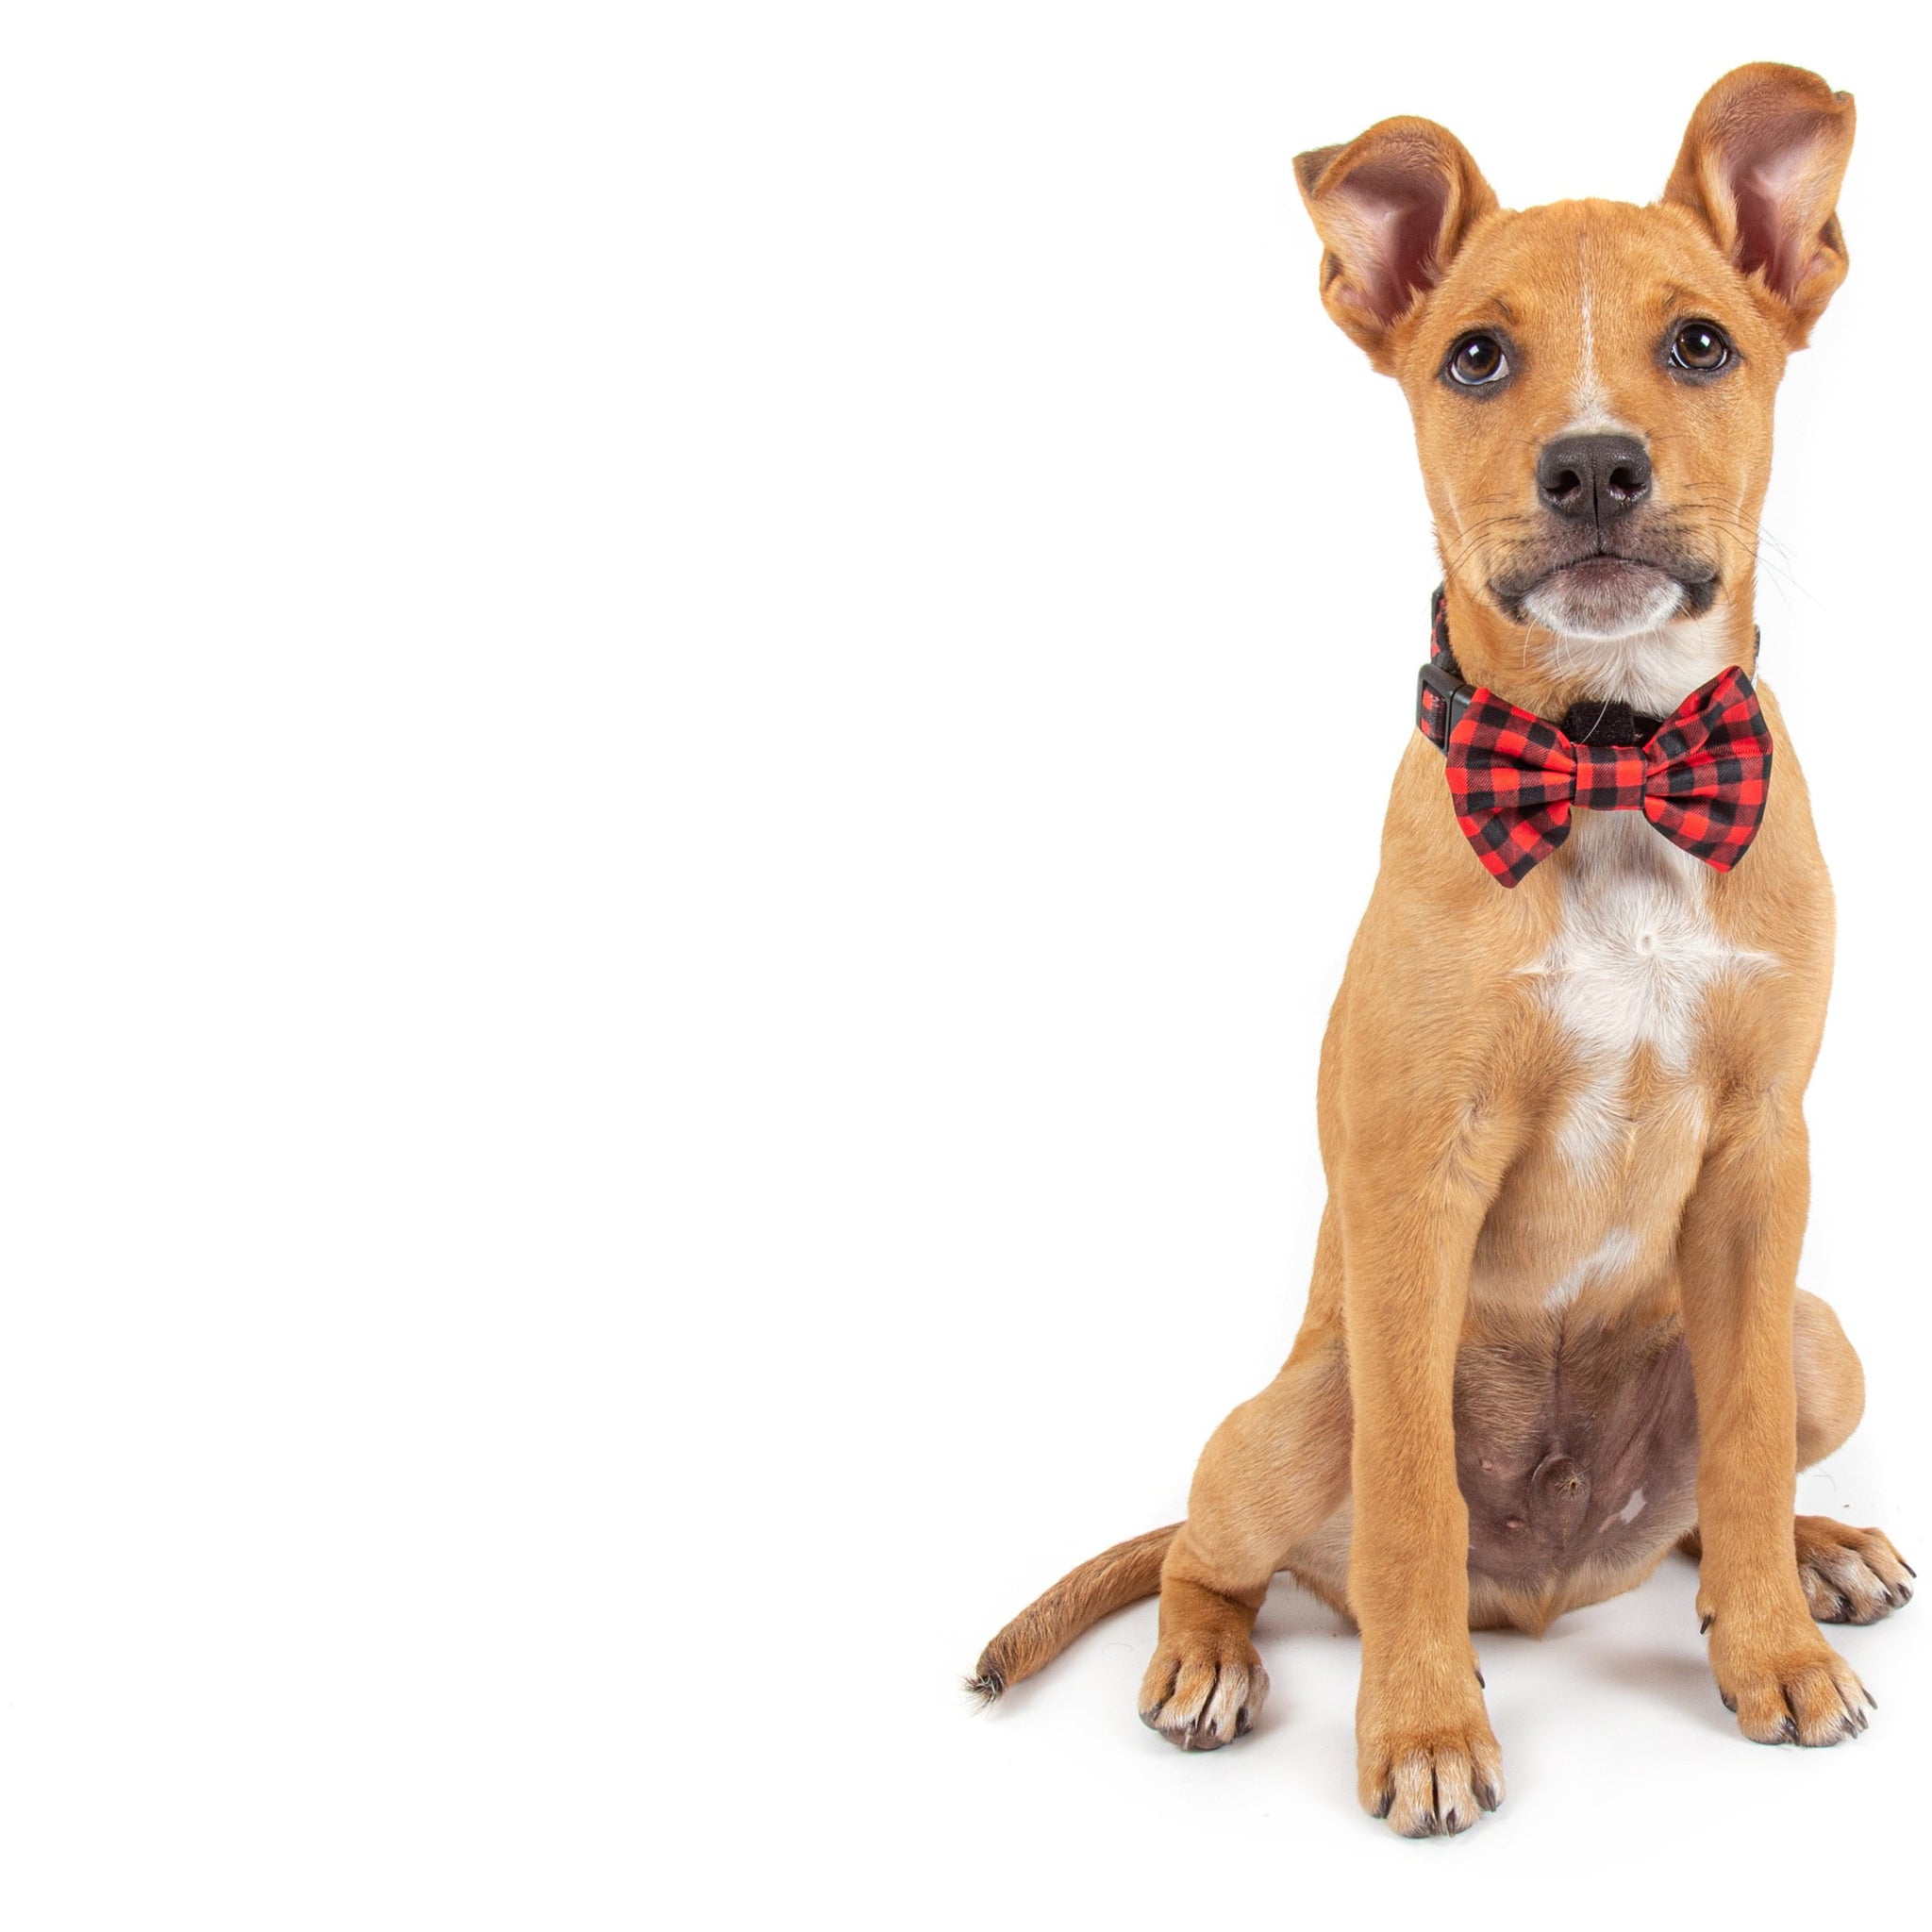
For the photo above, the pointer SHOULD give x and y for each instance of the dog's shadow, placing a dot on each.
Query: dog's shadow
(1647, 1639)
(1625, 1640)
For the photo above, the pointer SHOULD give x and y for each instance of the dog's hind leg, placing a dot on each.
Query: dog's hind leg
(1830, 1379)
(1849, 1575)
(1272, 1473)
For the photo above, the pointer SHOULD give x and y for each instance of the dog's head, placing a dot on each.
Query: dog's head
(1592, 382)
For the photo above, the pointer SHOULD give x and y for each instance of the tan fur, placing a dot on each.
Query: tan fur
(1099, 1586)
(1596, 1157)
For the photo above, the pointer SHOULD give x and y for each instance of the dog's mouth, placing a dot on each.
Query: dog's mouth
(1608, 593)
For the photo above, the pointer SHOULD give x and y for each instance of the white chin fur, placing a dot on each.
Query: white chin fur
(1584, 618)
(1653, 669)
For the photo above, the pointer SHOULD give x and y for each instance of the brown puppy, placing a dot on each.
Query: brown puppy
(1554, 1326)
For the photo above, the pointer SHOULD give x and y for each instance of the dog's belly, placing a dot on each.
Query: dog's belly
(1576, 1453)
(1575, 1422)
(1576, 1456)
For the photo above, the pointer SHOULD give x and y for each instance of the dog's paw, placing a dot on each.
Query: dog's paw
(1850, 1576)
(1204, 1690)
(1799, 1691)
(1431, 1782)
(1427, 1764)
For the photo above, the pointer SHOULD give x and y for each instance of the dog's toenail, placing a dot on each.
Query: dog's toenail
(1704, 1622)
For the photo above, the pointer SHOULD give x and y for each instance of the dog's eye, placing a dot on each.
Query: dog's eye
(1701, 346)
(1477, 359)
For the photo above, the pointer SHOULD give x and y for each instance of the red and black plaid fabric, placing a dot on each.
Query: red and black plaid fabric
(1432, 704)
(1700, 779)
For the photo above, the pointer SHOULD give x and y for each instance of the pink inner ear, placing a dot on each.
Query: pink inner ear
(1397, 214)
(1772, 183)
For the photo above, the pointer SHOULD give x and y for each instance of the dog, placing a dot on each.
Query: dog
(1554, 1328)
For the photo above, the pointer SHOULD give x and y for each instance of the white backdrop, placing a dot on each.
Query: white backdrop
(670, 907)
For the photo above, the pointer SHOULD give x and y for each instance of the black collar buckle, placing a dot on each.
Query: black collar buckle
(1441, 699)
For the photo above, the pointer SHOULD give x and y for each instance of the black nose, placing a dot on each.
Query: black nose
(1596, 478)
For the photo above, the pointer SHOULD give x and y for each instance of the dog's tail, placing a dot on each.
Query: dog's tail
(1099, 1586)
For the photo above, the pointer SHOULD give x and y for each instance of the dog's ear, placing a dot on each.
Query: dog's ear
(1391, 207)
(1761, 165)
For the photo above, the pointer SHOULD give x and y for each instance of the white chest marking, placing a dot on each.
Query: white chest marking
(1635, 953)
(1636, 949)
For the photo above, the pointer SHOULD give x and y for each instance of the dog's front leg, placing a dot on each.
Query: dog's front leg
(1742, 1230)
(1413, 1203)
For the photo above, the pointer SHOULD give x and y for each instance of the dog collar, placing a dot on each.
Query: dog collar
(1442, 694)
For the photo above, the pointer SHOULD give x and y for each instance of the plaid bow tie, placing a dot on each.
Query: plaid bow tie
(1700, 778)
